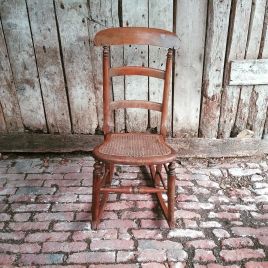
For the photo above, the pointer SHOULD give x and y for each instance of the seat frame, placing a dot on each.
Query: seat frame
(104, 166)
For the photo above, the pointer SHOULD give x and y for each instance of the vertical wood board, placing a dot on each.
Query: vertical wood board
(8, 97)
(160, 16)
(73, 27)
(189, 66)
(43, 25)
(135, 13)
(252, 51)
(217, 31)
(22, 59)
(2, 120)
(236, 50)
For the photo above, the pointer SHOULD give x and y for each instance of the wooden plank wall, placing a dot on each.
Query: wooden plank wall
(51, 74)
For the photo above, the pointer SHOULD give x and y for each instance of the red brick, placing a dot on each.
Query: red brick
(224, 215)
(44, 177)
(237, 242)
(221, 233)
(208, 184)
(263, 240)
(75, 190)
(30, 207)
(100, 234)
(138, 214)
(22, 198)
(253, 264)
(259, 216)
(4, 217)
(92, 257)
(33, 190)
(64, 246)
(22, 248)
(6, 191)
(30, 259)
(145, 204)
(185, 197)
(152, 255)
(190, 223)
(12, 236)
(24, 183)
(71, 207)
(62, 183)
(176, 255)
(69, 168)
(147, 234)
(154, 224)
(7, 259)
(57, 198)
(154, 244)
(48, 236)
(111, 224)
(56, 216)
(186, 214)
(112, 266)
(114, 244)
(21, 216)
(77, 176)
(120, 205)
(71, 226)
(185, 233)
(202, 255)
(153, 265)
(215, 265)
(28, 226)
(209, 224)
(125, 256)
(195, 205)
(249, 231)
(239, 207)
(218, 199)
(202, 243)
(265, 207)
(241, 254)
(184, 183)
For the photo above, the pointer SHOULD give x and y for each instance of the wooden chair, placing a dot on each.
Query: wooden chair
(141, 149)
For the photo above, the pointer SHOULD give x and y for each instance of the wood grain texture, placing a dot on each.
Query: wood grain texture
(185, 147)
(189, 66)
(19, 42)
(249, 72)
(135, 13)
(2, 120)
(104, 14)
(10, 110)
(73, 28)
(236, 50)
(44, 31)
(252, 52)
(217, 30)
(161, 17)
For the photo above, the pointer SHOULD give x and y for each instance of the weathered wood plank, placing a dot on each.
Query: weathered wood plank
(186, 147)
(73, 28)
(22, 59)
(160, 16)
(259, 97)
(135, 13)
(2, 120)
(217, 31)
(44, 31)
(8, 97)
(252, 51)
(236, 50)
(190, 27)
(249, 72)
(104, 14)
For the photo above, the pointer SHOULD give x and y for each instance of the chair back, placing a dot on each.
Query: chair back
(135, 36)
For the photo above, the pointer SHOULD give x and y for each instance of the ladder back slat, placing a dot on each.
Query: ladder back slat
(136, 104)
(137, 70)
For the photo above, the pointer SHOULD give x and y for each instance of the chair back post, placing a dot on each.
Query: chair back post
(164, 115)
(106, 91)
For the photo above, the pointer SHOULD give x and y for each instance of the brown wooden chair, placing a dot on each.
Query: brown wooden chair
(141, 149)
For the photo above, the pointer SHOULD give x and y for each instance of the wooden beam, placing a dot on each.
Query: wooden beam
(249, 72)
(186, 147)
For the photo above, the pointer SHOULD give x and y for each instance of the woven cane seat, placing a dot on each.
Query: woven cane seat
(134, 148)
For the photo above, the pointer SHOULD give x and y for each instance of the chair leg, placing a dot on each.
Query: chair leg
(97, 175)
(171, 194)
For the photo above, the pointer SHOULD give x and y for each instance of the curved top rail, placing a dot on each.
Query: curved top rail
(137, 36)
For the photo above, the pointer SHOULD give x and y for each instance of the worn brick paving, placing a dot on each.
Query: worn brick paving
(221, 216)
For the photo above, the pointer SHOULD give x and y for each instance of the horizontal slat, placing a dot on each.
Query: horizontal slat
(136, 70)
(136, 104)
(136, 35)
(185, 147)
(133, 189)
(249, 72)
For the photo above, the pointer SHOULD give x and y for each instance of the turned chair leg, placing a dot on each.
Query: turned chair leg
(171, 194)
(97, 174)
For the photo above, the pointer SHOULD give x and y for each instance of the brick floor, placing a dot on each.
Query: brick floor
(221, 216)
